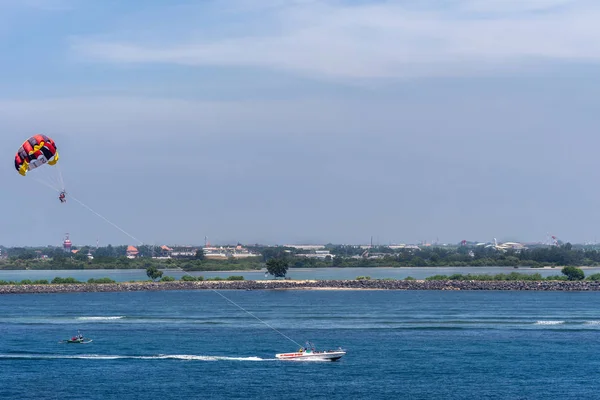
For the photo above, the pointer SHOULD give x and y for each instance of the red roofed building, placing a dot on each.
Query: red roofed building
(132, 252)
(164, 252)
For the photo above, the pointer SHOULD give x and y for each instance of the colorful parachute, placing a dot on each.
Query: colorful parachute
(35, 152)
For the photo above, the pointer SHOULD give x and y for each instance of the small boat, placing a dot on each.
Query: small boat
(309, 353)
(77, 339)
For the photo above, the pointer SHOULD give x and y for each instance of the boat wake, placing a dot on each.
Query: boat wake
(180, 357)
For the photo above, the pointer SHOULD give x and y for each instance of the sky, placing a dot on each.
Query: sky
(301, 121)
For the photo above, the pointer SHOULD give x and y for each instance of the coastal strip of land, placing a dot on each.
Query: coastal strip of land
(373, 284)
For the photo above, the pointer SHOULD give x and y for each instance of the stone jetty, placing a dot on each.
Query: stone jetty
(373, 284)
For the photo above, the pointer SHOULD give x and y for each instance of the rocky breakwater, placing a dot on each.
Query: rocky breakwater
(306, 284)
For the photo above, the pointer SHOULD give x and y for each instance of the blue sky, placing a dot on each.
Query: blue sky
(282, 121)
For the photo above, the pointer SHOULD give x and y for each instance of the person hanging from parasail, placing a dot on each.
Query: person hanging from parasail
(39, 151)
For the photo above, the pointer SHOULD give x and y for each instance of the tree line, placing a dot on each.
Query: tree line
(114, 257)
(441, 256)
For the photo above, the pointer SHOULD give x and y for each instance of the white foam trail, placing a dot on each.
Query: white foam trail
(549, 322)
(187, 357)
(182, 357)
(592, 322)
(109, 318)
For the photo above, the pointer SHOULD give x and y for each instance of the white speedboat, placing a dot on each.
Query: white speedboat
(310, 354)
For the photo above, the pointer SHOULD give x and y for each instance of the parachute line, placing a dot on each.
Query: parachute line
(60, 177)
(105, 219)
(45, 183)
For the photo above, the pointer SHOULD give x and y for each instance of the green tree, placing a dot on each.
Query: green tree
(153, 273)
(21, 253)
(199, 254)
(275, 252)
(593, 277)
(107, 251)
(278, 267)
(336, 262)
(573, 273)
(59, 256)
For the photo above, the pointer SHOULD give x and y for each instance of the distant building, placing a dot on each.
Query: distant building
(182, 252)
(321, 254)
(397, 246)
(164, 252)
(306, 246)
(132, 252)
(221, 253)
(67, 244)
(89, 254)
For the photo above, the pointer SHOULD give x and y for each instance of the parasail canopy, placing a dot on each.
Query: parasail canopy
(36, 151)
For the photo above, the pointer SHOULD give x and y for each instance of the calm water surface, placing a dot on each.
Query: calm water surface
(401, 344)
(125, 275)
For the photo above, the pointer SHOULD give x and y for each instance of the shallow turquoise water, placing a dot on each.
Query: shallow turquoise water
(401, 344)
(124, 275)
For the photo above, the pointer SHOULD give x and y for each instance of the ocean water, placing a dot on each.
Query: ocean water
(400, 344)
(124, 275)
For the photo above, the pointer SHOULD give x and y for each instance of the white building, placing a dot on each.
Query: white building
(222, 252)
(306, 246)
(321, 254)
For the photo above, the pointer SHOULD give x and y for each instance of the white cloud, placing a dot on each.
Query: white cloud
(514, 6)
(377, 40)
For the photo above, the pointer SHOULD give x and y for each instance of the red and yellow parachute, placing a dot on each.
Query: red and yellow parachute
(35, 152)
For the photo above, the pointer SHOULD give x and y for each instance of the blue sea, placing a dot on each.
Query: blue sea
(400, 344)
